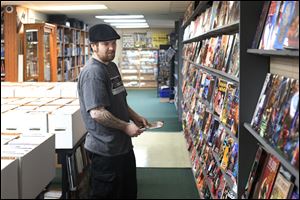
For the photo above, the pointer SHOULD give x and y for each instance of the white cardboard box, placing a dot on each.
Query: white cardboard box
(36, 166)
(66, 122)
(35, 122)
(10, 121)
(9, 179)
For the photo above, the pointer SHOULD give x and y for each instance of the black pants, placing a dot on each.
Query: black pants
(112, 177)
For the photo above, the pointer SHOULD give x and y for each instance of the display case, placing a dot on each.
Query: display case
(40, 62)
(139, 67)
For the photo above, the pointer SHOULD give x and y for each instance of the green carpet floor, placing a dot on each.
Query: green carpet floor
(147, 104)
(166, 183)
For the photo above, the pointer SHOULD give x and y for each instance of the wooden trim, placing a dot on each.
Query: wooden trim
(10, 46)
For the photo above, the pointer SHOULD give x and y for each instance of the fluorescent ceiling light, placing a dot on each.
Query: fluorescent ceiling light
(123, 20)
(73, 7)
(129, 24)
(120, 16)
(137, 26)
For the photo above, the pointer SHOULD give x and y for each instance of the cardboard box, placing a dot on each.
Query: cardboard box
(9, 179)
(36, 164)
(35, 122)
(66, 122)
(10, 121)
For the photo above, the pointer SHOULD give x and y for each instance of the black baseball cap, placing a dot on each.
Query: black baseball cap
(102, 32)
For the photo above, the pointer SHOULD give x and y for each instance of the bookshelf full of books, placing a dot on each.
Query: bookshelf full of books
(139, 67)
(240, 118)
(72, 52)
(272, 116)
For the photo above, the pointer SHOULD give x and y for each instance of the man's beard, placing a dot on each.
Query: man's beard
(108, 57)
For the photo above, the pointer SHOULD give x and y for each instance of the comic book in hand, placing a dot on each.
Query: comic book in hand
(154, 125)
(282, 188)
(267, 178)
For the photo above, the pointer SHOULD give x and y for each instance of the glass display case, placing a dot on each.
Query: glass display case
(40, 62)
(139, 67)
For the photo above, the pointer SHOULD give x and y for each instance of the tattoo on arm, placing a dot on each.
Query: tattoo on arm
(132, 115)
(105, 118)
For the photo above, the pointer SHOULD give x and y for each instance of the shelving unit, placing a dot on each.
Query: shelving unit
(202, 126)
(278, 154)
(178, 62)
(255, 64)
(73, 52)
(139, 67)
(40, 62)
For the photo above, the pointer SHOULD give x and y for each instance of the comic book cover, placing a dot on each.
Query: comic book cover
(220, 96)
(210, 52)
(213, 14)
(284, 23)
(269, 25)
(219, 60)
(269, 105)
(202, 82)
(255, 172)
(217, 51)
(261, 24)
(281, 96)
(233, 155)
(268, 177)
(282, 188)
(228, 102)
(218, 139)
(261, 102)
(286, 124)
(222, 14)
(206, 126)
(234, 12)
(295, 158)
(212, 131)
(275, 25)
(228, 52)
(228, 145)
(234, 60)
(291, 40)
(233, 118)
(208, 88)
(218, 19)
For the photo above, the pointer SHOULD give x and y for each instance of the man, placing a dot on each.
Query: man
(107, 116)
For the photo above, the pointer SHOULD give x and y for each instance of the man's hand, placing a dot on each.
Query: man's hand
(132, 130)
(141, 122)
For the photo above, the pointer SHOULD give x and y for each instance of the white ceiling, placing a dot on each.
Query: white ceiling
(158, 14)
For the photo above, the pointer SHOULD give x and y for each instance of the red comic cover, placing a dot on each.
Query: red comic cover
(268, 177)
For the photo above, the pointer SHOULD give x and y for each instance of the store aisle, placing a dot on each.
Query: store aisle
(163, 163)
